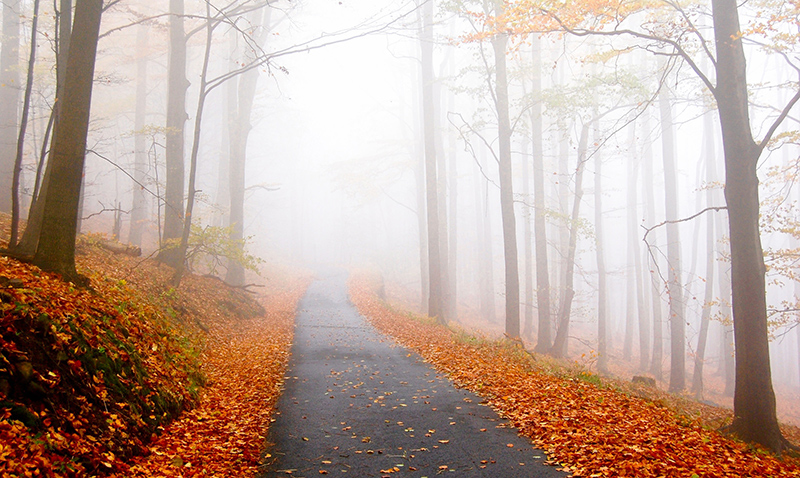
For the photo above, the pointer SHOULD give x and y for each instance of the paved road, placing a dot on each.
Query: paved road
(357, 404)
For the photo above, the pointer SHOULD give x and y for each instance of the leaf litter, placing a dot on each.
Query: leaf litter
(135, 378)
(586, 428)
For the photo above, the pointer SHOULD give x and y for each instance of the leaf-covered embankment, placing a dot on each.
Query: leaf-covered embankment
(89, 377)
(590, 428)
(244, 362)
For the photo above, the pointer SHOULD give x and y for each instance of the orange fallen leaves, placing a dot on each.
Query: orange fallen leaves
(245, 362)
(589, 430)
(117, 363)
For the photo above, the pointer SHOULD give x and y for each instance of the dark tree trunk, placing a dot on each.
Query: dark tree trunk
(56, 247)
(559, 348)
(30, 237)
(436, 294)
(677, 322)
(177, 84)
(755, 417)
(9, 98)
(139, 201)
(506, 182)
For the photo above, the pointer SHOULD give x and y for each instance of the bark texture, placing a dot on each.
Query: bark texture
(56, 246)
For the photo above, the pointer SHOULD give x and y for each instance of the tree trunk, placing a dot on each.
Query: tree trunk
(506, 181)
(727, 360)
(198, 121)
(602, 337)
(23, 124)
(177, 85)
(527, 330)
(30, 237)
(422, 230)
(436, 294)
(705, 316)
(654, 280)
(139, 204)
(56, 245)
(677, 322)
(239, 133)
(755, 417)
(544, 334)
(634, 254)
(485, 249)
(10, 88)
(452, 260)
(559, 348)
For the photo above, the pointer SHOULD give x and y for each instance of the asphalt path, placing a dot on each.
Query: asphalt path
(357, 404)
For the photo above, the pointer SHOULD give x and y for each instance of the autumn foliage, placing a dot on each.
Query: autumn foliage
(588, 426)
(91, 381)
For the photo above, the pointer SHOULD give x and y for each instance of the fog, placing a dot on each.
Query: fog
(335, 154)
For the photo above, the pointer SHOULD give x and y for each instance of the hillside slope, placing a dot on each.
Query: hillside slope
(88, 378)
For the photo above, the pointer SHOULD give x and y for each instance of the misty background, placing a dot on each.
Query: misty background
(335, 154)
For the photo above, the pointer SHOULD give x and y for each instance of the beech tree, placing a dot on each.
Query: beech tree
(755, 416)
(436, 287)
(56, 246)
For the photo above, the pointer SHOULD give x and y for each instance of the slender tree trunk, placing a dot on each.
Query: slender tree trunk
(10, 88)
(635, 256)
(527, 330)
(705, 316)
(198, 121)
(544, 334)
(139, 205)
(755, 416)
(728, 353)
(177, 85)
(654, 280)
(506, 181)
(239, 134)
(26, 104)
(452, 260)
(633, 252)
(602, 319)
(453, 245)
(485, 249)
(422, 229)
(436, 294)
(56, 245)
(559, 348)
(677, 322)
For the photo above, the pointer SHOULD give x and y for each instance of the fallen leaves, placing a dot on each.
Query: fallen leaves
(589, 430)
(245, 362)
(112, 366)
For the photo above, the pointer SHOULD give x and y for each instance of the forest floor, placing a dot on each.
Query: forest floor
(134, 377)
(592, 426)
